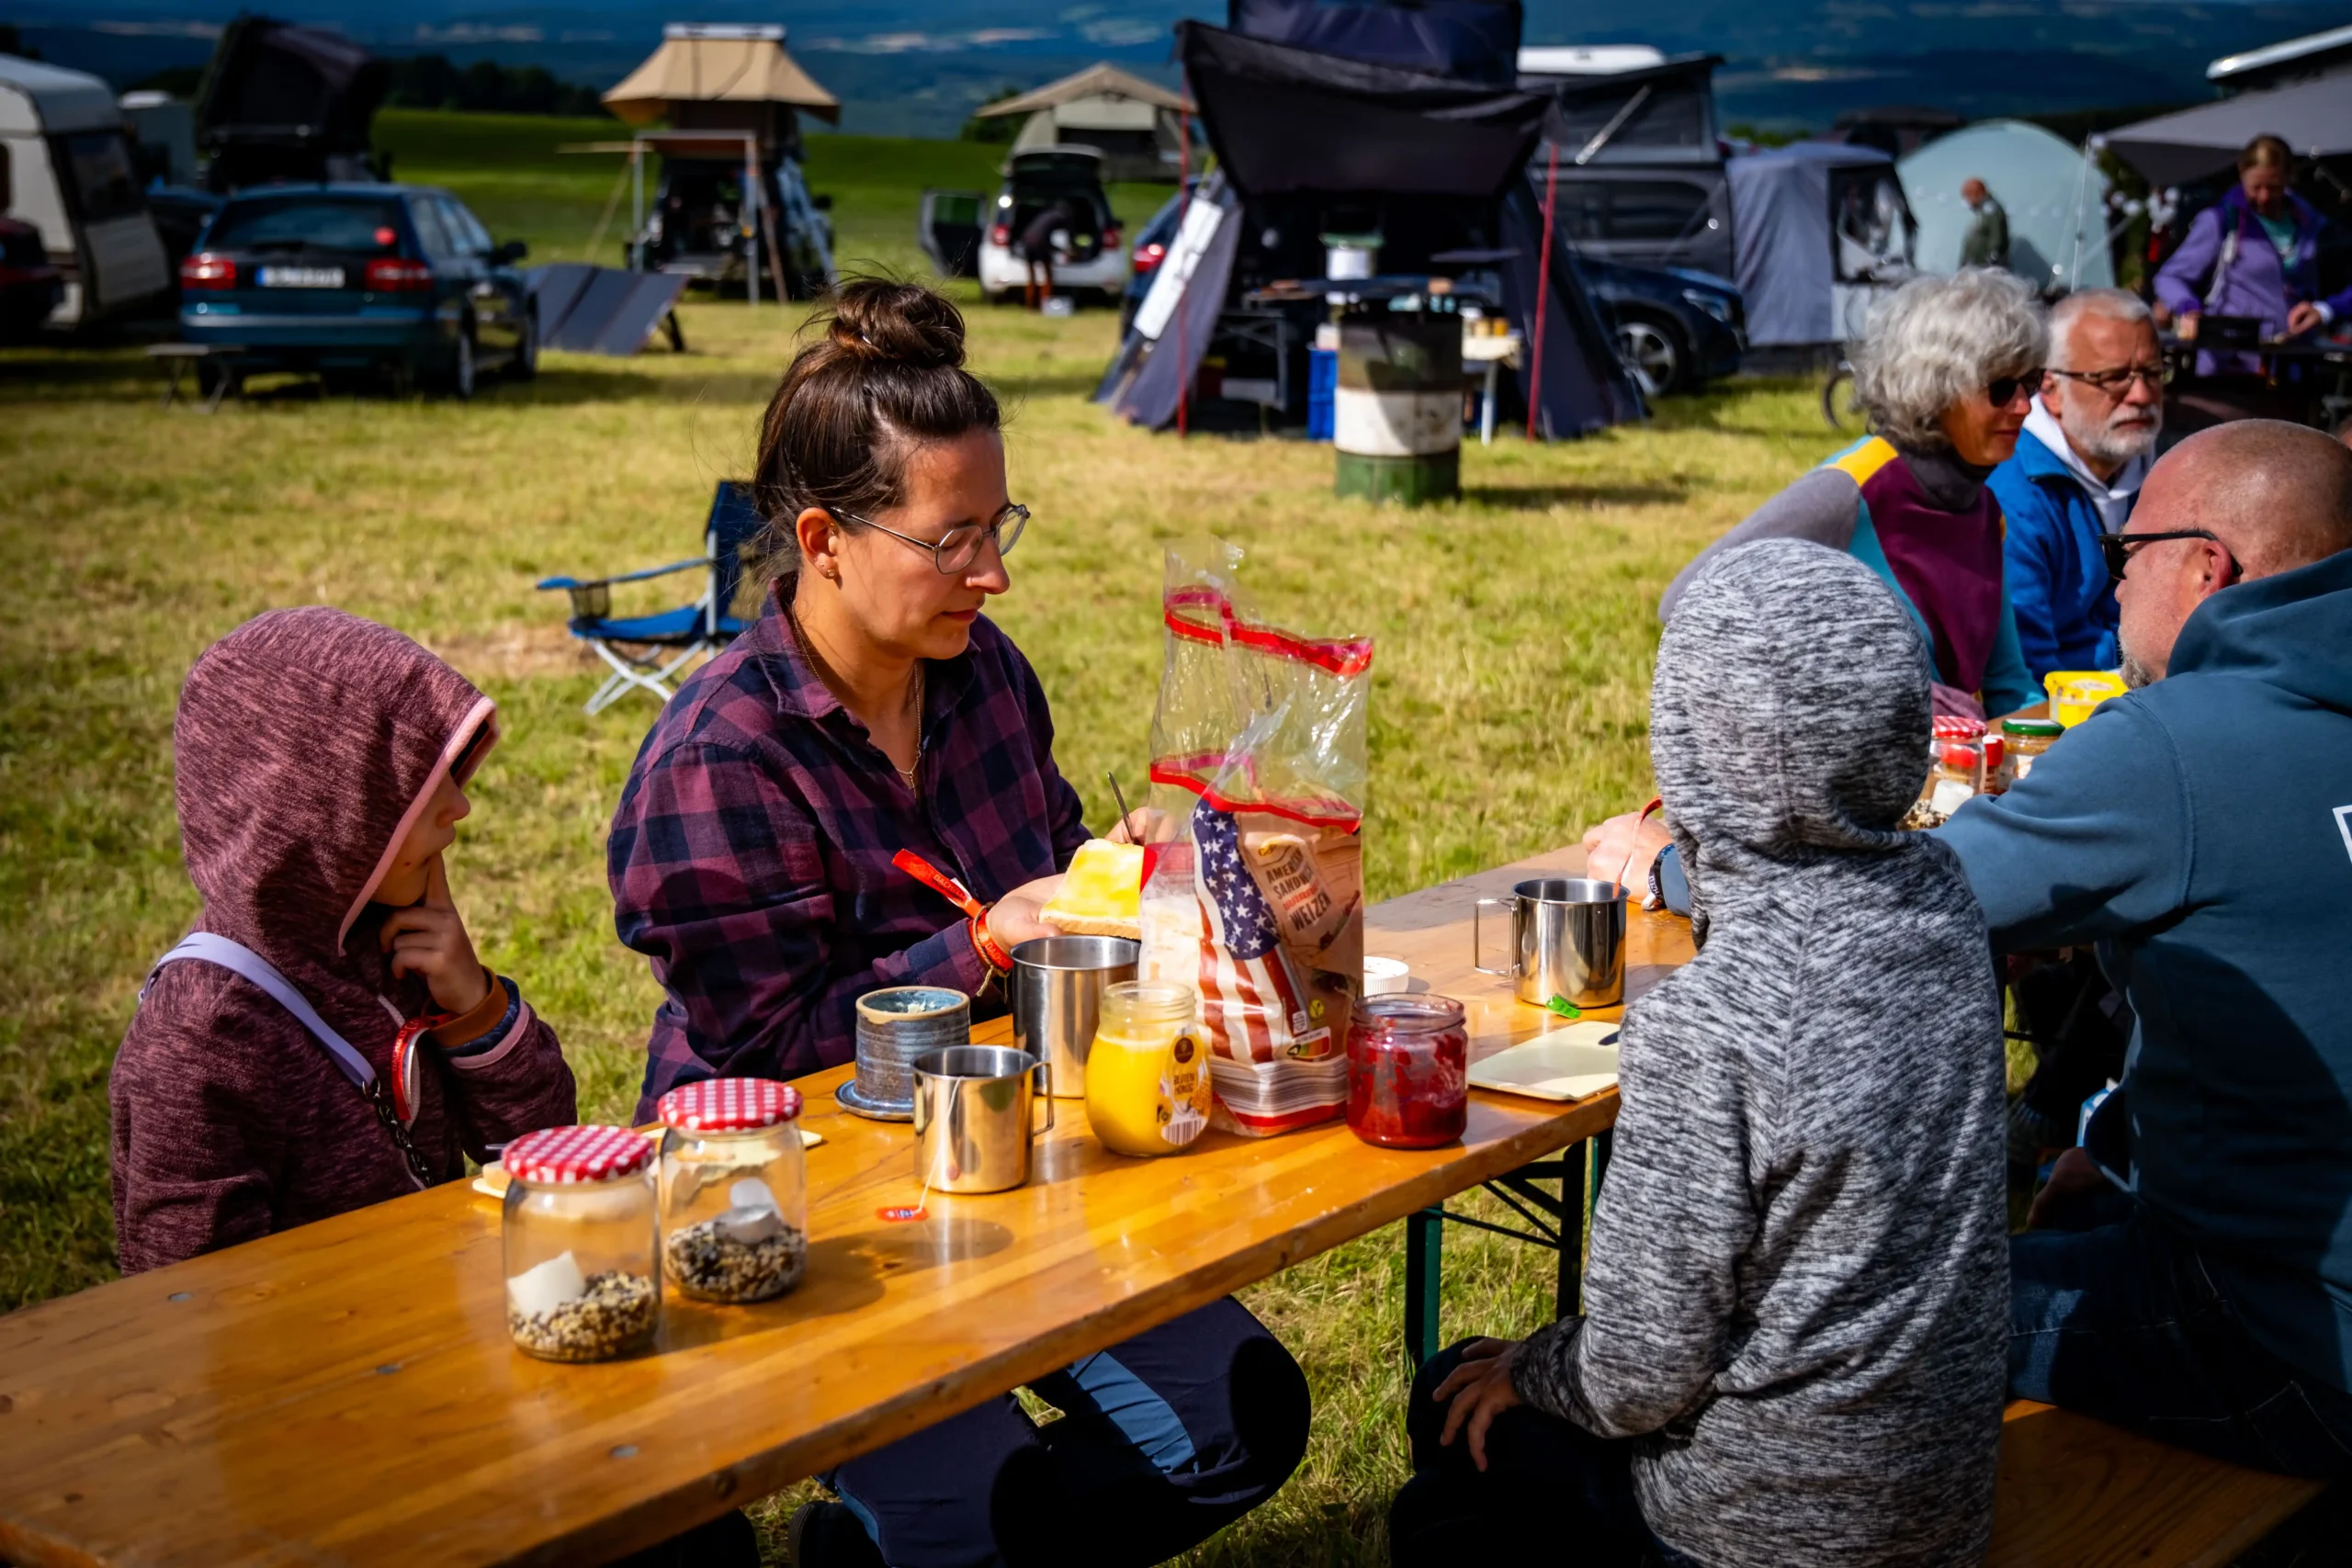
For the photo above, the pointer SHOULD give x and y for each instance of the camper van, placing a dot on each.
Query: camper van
(68, 173)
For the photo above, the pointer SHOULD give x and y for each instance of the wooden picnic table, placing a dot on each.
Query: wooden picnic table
(347, 1391)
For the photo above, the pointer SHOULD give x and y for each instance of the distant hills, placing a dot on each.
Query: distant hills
(907, 67)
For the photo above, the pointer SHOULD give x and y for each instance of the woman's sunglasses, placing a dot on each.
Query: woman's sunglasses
(2118, 548)
(2003, 389)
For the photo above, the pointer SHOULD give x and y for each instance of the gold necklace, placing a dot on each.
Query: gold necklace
(824, 672)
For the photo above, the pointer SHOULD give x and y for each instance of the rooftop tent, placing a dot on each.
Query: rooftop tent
(719, 77)
(1817, 225)
(1434, 163)
(1470, 40)
(1131, 122)
(1895, 130)
(2315, 118)
(282, 102)
(2302, 58)
(1657, 113)
(2054, 194)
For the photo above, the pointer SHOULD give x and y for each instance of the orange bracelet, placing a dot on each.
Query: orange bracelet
(984, 943)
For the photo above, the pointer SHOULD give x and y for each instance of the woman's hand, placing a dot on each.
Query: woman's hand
(1012, 919)
(1143, 826)
(2184, 326)
(1480, 1389)
(2072, 1174)
(2302, 318)
(428, 940)
(1620, 850)
(1950, 700)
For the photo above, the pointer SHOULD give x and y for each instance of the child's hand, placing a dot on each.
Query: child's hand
(428, 940)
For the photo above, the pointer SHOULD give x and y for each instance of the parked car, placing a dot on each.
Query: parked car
(343, 277)
(29, 286)
(1035, 181)
(1676, 329)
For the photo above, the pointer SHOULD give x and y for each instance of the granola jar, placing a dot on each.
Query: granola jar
(2023, 740)
(734, 1189)
(583, 1271)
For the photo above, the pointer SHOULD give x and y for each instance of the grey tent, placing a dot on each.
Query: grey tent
(2314, 119)
(1820, 228)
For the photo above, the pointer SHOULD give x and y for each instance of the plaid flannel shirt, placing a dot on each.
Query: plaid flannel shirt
(750, 856)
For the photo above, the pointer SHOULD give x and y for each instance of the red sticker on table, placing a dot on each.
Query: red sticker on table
(895, 1216)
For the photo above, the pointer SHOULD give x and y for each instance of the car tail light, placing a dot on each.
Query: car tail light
(1149, 255)
(205, 270)
(390, 275)
(1000, 235)
(1111, 237)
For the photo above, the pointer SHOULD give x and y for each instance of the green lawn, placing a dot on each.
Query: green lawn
(1515, 631)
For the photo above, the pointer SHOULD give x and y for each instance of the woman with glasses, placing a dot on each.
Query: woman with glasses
(872, 710)
(1947, 371)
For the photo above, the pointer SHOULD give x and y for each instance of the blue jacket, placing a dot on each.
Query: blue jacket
(2057, 582)
(2199, 831)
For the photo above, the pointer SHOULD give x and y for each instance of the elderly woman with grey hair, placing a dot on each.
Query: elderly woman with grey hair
(1947, 371)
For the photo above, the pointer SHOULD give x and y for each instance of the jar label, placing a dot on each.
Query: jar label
(1183, 1110)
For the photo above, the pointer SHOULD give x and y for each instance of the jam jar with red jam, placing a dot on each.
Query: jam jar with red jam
(1409, 1071)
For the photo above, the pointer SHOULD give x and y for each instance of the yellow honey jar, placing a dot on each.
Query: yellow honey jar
(1148, 1074)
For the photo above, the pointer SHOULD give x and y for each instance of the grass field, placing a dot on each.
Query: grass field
(1515, 631)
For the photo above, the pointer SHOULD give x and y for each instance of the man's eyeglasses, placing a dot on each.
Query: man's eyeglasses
(2004, 388)
(960, 546)
(2118, 548)
(2115, 382)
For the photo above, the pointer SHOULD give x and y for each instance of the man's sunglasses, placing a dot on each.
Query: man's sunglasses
(2003, 391)
(2118, 548)
(960, 546)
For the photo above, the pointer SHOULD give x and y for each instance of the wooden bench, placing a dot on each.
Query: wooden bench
(2076, 1493)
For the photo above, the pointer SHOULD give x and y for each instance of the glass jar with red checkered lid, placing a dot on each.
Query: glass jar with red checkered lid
(583, 1262)
(734, 1189)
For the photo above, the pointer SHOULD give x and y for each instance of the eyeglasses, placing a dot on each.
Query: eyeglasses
(2004, 388)
(2114, 382)
(960, 546)
(2118, 548)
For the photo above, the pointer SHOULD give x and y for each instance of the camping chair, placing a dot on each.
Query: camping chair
(649, 651)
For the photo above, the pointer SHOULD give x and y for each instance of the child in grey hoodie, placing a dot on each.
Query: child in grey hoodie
(1796, 1312)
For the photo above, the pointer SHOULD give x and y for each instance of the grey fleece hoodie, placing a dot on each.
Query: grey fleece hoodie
(1798, 1299)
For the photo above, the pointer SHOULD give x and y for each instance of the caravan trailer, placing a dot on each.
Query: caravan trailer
(70, 176)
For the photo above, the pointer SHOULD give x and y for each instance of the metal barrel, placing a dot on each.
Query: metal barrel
(1396, 413)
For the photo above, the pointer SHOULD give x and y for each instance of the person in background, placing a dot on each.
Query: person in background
(2079, 464)
(870, 709)
(1045, 240)
(1947, 370)
(1792, 1345)
(2254, 253)
(319, 769)
(1987, 243)
(2198, 830)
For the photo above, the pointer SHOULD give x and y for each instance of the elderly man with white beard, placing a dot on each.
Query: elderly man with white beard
(2077, 469)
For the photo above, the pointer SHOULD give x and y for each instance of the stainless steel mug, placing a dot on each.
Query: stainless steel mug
(1057, 1000)
(894, 1027)
(1567, 939)
(974, 1121)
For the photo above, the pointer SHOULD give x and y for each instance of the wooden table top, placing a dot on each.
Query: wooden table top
(347, 1393)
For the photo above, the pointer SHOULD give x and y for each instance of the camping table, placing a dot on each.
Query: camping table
(1493, 353)
(180, 356)
(347, 1392)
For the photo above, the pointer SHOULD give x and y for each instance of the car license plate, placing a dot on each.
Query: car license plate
(301, 278)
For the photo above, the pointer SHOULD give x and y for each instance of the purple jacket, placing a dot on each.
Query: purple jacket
(2254, 284)
(750, 857)
(306, 744)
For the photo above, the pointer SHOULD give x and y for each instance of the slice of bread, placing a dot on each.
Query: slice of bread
(1102, 894)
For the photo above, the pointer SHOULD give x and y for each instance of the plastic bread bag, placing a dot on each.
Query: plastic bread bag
(1258, 766)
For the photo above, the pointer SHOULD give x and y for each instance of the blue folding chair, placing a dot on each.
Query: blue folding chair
(649, 651)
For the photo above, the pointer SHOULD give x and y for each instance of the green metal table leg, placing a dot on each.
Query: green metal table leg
(1424, 1242)
(1571, 1227)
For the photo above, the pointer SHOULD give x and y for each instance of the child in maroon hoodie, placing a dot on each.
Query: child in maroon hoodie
(325, 1038)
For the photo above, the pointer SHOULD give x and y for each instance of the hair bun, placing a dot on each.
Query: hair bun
(879, 320)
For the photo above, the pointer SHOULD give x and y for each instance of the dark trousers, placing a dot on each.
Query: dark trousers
(1552, 1494)
(2121, 1321)
(1163, 1441)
